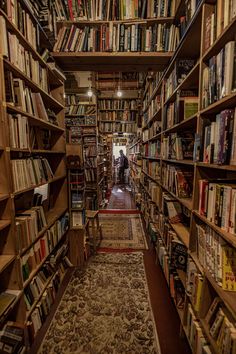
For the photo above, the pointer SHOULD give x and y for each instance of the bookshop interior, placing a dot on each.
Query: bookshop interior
(117, 176)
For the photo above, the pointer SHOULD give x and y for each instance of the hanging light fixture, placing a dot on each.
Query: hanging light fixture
(119, 93)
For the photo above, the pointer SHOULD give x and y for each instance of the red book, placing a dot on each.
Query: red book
(203, 194)
(70, 10)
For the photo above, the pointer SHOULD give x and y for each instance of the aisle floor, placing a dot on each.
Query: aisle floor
(163, 311)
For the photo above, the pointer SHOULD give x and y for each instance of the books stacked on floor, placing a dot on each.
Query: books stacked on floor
(113, 10)
(118, 38)
(30, 172)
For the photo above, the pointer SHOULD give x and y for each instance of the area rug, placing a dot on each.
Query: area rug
(105, 309)
(122, 231)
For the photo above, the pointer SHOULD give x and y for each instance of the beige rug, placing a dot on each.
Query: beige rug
(122, 231)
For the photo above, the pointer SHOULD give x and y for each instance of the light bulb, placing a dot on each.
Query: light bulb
(119, 93)
(90, 93)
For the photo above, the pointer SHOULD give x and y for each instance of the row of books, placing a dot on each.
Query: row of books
(219, 77)
(12, 337)
(90, 175)
(113, 9)
(77, 199)
(24, 61)
(77, 99)
(21, 96)
(74, 135)
(153, 130)
(80, 109)
(30, 172)
(117, 104)
(19, 131)
(181, 69)
(153, 107)
(118, 115)
(78, 217)
(178, 180)
(221, 327)
(118, 38)
(218, 20)
(76, 179)
(178, 147)
(153, 149)
(219, 139)
(42, 309)
(82, 120)
(216, 256)
(151, 85)
(90, 150)
(21, 18)
(152, 188)
(117, 127)
(217, 202)
(152, 168)
(195, 333)
(43, 247)
(90, 162)
(194, 285)
(182, 108)
(28, 225)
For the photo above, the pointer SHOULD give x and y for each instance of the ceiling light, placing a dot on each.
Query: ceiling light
(90, 93)
(119, 93)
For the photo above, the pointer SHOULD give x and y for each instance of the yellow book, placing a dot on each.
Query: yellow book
(198, 292)
(229, 268)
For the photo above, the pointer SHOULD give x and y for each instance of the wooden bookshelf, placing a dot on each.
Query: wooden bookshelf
(15, 201)
(187, 232)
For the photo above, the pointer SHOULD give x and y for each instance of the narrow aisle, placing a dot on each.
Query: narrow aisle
(119, 302)
(121, 198)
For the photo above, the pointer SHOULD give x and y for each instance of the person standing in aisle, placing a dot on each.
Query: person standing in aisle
(123, 165)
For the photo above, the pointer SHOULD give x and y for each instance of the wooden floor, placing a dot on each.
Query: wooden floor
(120, 198)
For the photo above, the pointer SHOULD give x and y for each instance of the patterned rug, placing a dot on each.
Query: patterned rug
(120, 198)
(122, 231)
(105, 310)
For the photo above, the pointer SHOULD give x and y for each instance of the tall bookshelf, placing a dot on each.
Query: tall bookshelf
(33, 197)
(185, 166)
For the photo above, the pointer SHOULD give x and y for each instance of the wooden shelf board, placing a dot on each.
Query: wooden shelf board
(217, 167)
(231, 238)
(135, 163)
(155, 116)
(151, 158)
(187, 202)
(157, 136)
(117, 109)
(34, 120)
(182, 276)
(186, 122)
(184, 162)
(4, 224)
(10, 307)
(134, 144)
(194, 256)
(4, 196)
(52, 216)
(152, 178)
(227, 35)
(35, 151)
(206, 329)
(144, 21)
(183, 232)
(38, 185)
(5, 261)
(34, 86)
(226, 102)
(35, 271)
(105, 61)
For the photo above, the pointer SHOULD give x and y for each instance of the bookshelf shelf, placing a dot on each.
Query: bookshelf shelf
(126, 21)
(36, 121)
(105, 61)
(4, 224)
(151, 158)
(152, 178)
(184, 162)
(45, 95)
(187, 202)
(5, 261)
(156, 116)
(11, 306)
(231, 238)
(227, 35)
(189, 122)
(55, 179)
(35, 151)
(116, 110)
(183, 233)
(217, 167)
(35, 271)
(226, 102)
(3, 197)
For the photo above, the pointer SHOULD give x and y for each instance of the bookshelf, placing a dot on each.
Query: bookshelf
(33, 188)
(181, 108)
